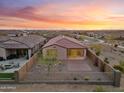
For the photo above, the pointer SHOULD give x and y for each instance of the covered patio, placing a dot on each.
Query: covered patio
(16, 53)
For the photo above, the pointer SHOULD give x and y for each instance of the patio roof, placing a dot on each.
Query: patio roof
(65, 41)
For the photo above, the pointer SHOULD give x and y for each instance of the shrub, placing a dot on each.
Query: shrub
(99, 89)
(81, 37)
(115, 45)
(98, 53)
(99, 79)
(86, 78)
(122, 51)
(106, 60)
(121, 63)
(120, 68)
(97, 48)
(75, 78)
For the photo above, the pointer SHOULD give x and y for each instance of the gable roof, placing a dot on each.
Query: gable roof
(65, 41)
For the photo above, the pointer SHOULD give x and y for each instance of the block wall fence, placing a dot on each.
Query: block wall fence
(112, 73)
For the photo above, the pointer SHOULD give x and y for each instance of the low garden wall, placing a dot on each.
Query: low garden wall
(113, 74)
(22, 72)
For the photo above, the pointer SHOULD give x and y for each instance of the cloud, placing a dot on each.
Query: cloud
(61, 15)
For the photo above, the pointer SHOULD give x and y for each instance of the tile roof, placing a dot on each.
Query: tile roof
(4, 38)
(65, 41)
(14, 46)
(21, 42)
(31, 40)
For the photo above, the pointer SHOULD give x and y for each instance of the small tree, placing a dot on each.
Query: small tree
(49, 61)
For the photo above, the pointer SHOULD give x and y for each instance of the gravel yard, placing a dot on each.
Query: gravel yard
(67, 70)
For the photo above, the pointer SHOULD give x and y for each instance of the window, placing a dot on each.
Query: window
(75, 53)
(52, 53)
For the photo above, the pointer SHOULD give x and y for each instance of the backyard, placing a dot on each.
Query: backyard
(66, 70)
(8, 67)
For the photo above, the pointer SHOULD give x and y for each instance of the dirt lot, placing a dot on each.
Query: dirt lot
(114, 55)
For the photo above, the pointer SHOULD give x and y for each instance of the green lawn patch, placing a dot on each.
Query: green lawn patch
(120, 67)
(6, 76)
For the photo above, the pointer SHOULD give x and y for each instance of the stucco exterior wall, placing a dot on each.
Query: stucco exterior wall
(61, 52)
(3, 53)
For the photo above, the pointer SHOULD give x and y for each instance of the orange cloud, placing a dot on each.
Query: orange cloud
(75, 16)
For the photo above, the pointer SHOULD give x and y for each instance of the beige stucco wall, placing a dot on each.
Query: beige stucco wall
(61, 52)
(3, 53)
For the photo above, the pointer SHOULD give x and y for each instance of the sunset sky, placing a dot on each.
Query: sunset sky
(62, 14)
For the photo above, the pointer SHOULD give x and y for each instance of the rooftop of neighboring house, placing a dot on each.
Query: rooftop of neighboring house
(12, 31)
(65, 41)
(28, 41)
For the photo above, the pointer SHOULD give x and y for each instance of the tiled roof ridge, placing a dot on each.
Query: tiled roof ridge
(69, 39)
(60, 37)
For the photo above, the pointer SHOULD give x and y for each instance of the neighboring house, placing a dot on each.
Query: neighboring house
(20, 46)
(65, 48)
(13, 33)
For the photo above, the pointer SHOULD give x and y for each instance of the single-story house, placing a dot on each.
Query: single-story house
(20, 46)
(64, 48)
